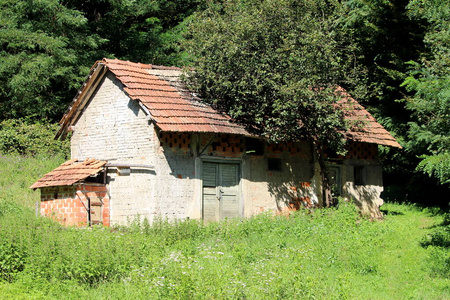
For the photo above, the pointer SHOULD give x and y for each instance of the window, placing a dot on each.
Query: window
(273, 164)
(254, 146)
(358, 173)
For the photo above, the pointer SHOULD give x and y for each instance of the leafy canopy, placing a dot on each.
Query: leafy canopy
(429, 79)
(274, 65)
(47, 46)
(43, 49)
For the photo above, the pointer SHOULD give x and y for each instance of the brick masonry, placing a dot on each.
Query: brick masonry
(68, 204)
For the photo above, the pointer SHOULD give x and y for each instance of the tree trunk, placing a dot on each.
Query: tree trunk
(326, 188)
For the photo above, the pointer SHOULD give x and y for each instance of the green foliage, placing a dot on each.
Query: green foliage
(429, 80)
(439, 243)
(17, 173)
(44, 48)
(265, 256)
(47, 46)
(262, 257)
(30, 138)
(273, 65)
(142, 31)
(388, 35)
(12, 261)
(440, 262)
(437, 166)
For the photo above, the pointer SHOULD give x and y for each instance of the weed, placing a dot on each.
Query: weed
(322, 254)
(12, 261)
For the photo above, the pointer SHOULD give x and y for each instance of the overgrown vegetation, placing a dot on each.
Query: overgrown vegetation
(324, 254)
(27, 138)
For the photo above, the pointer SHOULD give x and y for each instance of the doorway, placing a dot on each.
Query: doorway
(220, 191)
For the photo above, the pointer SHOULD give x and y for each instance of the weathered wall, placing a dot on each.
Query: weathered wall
(114, 128)
(266, 189)
(365, 193)
(67, 204)
(263, 189)
(367, 196)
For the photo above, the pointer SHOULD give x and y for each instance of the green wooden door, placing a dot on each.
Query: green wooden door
(220, 191)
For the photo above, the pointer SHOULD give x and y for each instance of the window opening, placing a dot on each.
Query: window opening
(254, 146)
(273, 164)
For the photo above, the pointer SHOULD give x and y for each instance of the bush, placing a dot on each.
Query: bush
(439, 262)
(30, 138)
(12, 261)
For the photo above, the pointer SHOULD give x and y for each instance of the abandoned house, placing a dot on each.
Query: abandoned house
(143, 145)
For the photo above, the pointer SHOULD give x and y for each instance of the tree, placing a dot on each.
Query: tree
(47, 46)
(146, 31)
(43, 48)
(387, 37)
(275, 66)
(429, 79)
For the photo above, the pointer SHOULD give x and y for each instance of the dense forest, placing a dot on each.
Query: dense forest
(392, 55)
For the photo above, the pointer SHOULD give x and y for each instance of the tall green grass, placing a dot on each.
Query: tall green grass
(323, 254)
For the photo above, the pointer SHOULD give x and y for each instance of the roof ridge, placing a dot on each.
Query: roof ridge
(126, 62)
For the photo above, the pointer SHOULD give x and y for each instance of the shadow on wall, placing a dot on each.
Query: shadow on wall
(126, 172)
(290, 189)
(366, 198)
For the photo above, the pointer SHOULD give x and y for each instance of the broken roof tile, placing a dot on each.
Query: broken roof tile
(70, 173)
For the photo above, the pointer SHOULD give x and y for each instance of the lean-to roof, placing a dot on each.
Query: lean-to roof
(69, 173)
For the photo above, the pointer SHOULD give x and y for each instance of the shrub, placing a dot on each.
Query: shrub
(439, 262)
(9, 207)
(12, 261)
(30, 138)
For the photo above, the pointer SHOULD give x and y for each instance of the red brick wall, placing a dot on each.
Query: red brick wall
(67, 204)
(95, 191)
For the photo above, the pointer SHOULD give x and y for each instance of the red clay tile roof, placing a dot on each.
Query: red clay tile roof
(69, 173)
(171, 105)
(174, 108)
(363, 126)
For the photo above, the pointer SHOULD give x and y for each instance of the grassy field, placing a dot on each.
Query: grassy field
(325, 254)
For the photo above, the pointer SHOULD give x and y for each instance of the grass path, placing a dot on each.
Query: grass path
(404, 271)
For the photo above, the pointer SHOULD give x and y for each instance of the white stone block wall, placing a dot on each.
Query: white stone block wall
(367, 196)
(265, 190)
(114, 128)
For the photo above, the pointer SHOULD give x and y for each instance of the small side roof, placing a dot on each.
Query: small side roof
(70, 173)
